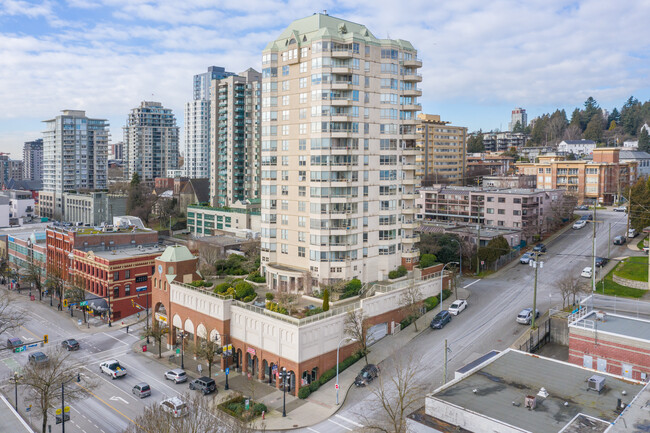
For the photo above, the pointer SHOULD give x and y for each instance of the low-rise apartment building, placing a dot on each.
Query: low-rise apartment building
(576, 147)
(503, 141)
(25, 249)
(444, 147)
(263, 342)
(532, 211)
(602, 179)
(92, 208)
(236, 219)
(482, 164)
(521, 181)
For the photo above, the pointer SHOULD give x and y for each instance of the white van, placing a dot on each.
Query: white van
(631, 233)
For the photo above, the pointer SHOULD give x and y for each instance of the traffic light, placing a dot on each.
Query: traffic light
(132, 302)
(45, 339)
(65, 302)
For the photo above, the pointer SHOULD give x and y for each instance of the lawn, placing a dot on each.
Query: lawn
(614, 289)
(633, 268)
(641, 244)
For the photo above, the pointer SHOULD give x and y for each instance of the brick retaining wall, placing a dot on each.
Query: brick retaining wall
(643, 285)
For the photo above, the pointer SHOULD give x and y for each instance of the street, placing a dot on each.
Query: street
(489, 321)
(487, 324)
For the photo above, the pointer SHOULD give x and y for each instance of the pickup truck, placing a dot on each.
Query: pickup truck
(112, 368)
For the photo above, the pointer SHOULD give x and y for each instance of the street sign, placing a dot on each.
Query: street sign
(19, 349)
(32, 345)
(178, 351)
(58, 411)
(141, 289)
(66, 409)
(227, 370)
(83, 303)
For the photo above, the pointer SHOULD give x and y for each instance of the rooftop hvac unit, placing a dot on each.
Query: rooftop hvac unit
(596, 383)
(530, 401)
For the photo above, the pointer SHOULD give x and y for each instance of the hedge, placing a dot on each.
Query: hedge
(270, 296)
(237, 406)
(351, 289)
(256, 277)
(304, 392)
(397, 273)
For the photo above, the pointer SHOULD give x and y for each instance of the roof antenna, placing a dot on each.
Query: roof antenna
(324, 11)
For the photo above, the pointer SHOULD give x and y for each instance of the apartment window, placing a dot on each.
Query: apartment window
(303, 98)
(302, 221)
(302, 236)
(285, 204)
(285, 220)
(302, 175)
(302, 82)
(302, 206)
(302, 191)
(516, 200)
(116, 276)
(489, 210)
(116, 292)
(502, 199)
(303, 128)
(301, 251)
(501, 223)
(302, 113)
(285, 85)
(303, 67)
(284, 248)
(285, 190)
(365, 252)
(285, 100)
(285, 70)
(365, 236)
(548, 171)
(501, 212)
(285, 129)
(302, 144)
(516, 212)
(284, 234)
(490, 199)
(127, 274)
(285, 145)
(285, 114)
(285, 174)
(302, 160)
(127, 290)
(285, 159)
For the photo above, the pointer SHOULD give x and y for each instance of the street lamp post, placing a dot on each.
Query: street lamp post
(460, 262)
(442, 273)
(15, 379)
(63, 401)
(337, 364)
(535, 263)
(283, 376)
(182, 335)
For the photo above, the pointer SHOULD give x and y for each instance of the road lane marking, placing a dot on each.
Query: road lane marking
(116, 339)
(107, 404)
(311, 429)
(110, 382)
(350, 421)
(116, 398)
(473, 282)
(153, 378)
(340, 425)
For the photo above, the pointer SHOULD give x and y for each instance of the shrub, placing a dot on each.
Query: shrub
(313, 387)
(351, 289)
(258, 408)
(431, 302)
(272, 306)
(316, 310)
(200, 283)
(326, 376)
(304, 392)
(427, 260)
(243, 290)
(270, 296)
(256, 277)
(248, 298)
(326, 300)
(221, 288)
(397, 273)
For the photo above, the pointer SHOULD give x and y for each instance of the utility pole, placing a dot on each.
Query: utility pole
(629, 209)
(593, 254)
(609, 243)
(444, 377)
(478, 245)
(536, 264)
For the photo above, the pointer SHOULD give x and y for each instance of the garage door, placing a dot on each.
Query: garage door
(376, 333)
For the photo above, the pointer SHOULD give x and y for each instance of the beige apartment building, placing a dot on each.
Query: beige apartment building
(235, 138)
(602, 179)
(338, 154)
(444, 150)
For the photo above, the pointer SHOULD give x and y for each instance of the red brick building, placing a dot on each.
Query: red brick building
(612, 343)
(108, 261)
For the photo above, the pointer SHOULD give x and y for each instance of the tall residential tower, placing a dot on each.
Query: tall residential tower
(33, 160)
(338, 154)
(197, 124)
(235, 129)
(444, 146)
(150, 142)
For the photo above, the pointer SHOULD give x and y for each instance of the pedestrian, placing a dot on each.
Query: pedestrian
(127, 329)
(200, 368)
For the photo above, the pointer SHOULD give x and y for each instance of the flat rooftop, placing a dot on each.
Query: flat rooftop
(508, 378)
(90, 231)
(127, 253)
(615, 324)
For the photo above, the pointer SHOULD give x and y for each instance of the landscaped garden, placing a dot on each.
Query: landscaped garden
(632, 268)
(238, 289)
(237, 407)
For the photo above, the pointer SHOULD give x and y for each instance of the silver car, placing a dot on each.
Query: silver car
(141, 390)
(177, 375)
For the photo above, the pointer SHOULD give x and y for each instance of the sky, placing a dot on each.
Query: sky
(480, 58)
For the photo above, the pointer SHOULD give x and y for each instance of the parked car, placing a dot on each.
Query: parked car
(141, 390)
(631, 233)
(579, 224)
(367, 374)
(526, 258)
(441, 319)
(619, 240)
(601, 261)
(38, 358)
(620, 209)
(175, 406)
(13, 343)
(526, 315)
(457, 306)
(177, 375)
(587, 217)
(112, 368)
(70, 344)
(540, 248)
(586, 272)
(582, 207)
(204, 384)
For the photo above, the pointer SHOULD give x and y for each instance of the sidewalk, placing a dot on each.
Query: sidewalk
(321, 404)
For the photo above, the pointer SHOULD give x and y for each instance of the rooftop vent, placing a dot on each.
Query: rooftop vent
(596, 383)
(542, 393)
(600, 315)
(530, 402)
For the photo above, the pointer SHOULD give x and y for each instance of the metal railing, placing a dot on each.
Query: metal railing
(205, 290)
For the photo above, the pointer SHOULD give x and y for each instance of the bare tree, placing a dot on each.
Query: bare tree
(396, 394)
(75, 294)
(572, 133)
(10, 316)
(208, 256)
(206, 350)
(356, 327)
(201, 418)
(287, 300)
(44, 383)
(55, 284)
(157, 333)
(34, 274)
(570, 285)
(411, 302)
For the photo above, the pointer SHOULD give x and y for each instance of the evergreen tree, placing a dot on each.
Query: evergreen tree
(594, 129)
(576, 120)
(644, 140)
(326, 300)
(631, 116)
(517, 127)
(614, 116)
(591, 109)
(475, 142)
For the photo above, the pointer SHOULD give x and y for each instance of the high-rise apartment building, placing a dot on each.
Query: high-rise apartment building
(444, 150)
(518, 115)
(338, 154)
(116, 151)
(197, 124)
(150, 142)
(235, 129)
(33, 160)
(16, 169)
(74, 154)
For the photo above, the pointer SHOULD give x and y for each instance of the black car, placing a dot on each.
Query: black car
(70, 344)
(540, 248)
(367, 374)
(601, 261)
(204, 384)
(441, 319)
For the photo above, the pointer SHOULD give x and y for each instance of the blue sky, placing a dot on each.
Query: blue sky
(481, 59)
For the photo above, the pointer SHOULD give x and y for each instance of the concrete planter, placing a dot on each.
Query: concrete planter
(643, 285)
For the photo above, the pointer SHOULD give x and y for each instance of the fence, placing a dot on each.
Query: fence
(617, 305)
(537, 338)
